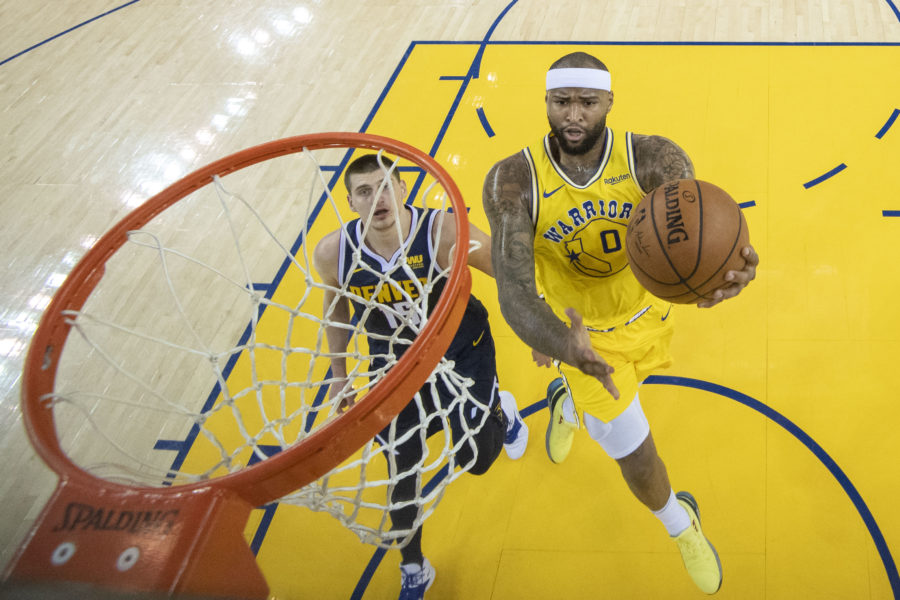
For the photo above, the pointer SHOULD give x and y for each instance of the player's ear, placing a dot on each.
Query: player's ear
(609, 108)
(350, 202)
(402, 189)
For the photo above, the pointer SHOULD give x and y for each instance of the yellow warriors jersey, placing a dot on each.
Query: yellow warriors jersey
(579, 239)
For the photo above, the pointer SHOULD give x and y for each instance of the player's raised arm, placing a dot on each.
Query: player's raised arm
(507, 198)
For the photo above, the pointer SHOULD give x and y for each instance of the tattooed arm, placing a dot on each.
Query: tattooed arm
(507, 198)
(658, 160)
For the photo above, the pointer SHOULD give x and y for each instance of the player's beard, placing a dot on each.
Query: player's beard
(591, 137)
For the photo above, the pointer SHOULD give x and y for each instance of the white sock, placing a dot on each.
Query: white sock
(568, 410)
(509, 406)
(673, 516)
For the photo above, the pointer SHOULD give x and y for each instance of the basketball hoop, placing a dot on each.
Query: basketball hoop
(139, 526)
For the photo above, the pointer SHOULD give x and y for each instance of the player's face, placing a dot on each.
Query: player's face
(376, 198)
(577, 117)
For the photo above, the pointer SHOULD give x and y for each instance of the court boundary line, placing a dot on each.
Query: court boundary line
(62, 33)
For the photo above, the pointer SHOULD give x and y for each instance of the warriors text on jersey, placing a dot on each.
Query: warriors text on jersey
(579, 240)
(392, 288)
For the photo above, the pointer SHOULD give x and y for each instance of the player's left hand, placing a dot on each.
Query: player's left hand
(738, 280)
(342, 388)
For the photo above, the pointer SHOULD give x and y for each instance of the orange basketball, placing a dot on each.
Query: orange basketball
(683, 237)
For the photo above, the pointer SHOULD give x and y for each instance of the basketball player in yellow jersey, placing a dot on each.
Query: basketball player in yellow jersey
(558, 212)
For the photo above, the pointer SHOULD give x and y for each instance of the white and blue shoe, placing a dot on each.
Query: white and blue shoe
(516, 430)
(415, 579)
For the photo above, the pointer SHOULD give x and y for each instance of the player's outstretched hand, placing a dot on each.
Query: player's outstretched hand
(583, 355)
(738, 280)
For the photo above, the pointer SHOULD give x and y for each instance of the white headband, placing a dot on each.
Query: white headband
(595, 79)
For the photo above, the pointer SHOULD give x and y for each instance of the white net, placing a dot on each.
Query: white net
(204, 349)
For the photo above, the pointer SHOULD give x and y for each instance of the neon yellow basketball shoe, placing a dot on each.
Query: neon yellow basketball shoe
(700, 557)
(560, 432)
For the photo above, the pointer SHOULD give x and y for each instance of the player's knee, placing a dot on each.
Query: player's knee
(480, 468)
(489, 444)
(643, 464)
(485, 460)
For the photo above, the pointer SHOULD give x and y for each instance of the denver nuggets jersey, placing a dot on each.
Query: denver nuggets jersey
(399, 296)
(579, 241)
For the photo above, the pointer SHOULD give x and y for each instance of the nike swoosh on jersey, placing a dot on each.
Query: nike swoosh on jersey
(548, 194)
(666, 316)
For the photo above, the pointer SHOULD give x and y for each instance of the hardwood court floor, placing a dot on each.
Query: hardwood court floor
(778, 412)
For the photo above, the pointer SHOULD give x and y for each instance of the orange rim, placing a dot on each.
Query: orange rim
(325, 448)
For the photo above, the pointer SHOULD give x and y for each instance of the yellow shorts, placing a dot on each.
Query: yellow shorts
(634, 350)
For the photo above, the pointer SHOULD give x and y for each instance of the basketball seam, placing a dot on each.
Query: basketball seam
(662, 247)
(716, 272)
(659, 239)
(730, 252)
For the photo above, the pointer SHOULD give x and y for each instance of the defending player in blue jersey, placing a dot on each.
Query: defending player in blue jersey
(558, 212)
(385, 225)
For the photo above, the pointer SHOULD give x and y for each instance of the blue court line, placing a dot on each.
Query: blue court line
(472, 73)
(822, 178)
(773, 415)
(894, 8)
(530, 410)
(475, 69)
(367, 574)
(888, 123)
(484, 122)
(890, 213)
(268, 509)
(263, 528)
(70, 29)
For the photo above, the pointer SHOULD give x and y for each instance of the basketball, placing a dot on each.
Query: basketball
(683, 238)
